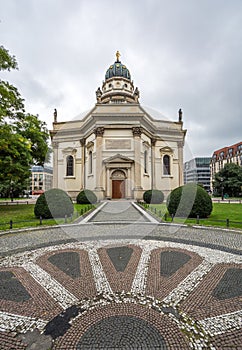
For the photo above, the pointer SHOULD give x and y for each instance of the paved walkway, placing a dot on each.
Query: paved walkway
(121, 280)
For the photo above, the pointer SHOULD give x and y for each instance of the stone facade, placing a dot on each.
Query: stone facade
(118, 150)
(225, 155)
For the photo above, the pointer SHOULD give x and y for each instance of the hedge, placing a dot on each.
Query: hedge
(54, 203)
(86, 197)
(189, 200)
(153, 196)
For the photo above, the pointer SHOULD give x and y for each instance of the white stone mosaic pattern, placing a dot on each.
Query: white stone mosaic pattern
(52, 287)
(99, 276)
(11, 322)
(222, 323)
(139, 282)
(212, 326)
(188, 284)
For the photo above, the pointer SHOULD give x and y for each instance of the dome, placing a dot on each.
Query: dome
(117, 70)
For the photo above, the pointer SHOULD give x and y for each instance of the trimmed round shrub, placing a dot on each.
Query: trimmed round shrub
(86, 197)
(153, 196)
(54, 203)
(189, 200)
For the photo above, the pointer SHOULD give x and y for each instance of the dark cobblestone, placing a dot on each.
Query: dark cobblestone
(60, 324)
(122, 332)
(11, 288)
(171, 261)
(68, 262)
(120, 257)
(230, 286)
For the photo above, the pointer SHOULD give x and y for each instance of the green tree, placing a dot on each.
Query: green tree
(23, 137)
(228, 180)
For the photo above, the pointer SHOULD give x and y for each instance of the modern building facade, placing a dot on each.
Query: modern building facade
(198, 170)
(118, 150)
(41, 179)
(225, 155)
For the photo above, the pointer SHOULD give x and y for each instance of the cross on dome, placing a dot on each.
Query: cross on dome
(118, 55)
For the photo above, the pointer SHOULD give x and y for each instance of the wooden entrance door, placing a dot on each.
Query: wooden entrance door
(118, 189)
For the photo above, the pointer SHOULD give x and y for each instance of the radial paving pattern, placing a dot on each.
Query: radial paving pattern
(157, 283)
(122, 294)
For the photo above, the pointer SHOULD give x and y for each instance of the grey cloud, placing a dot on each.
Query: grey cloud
(181, 54)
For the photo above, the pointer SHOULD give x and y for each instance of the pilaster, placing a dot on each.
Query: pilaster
(137, 131)
(83, 175)
(99, 168)
(180, 145)
(153, 182)
(55, 146)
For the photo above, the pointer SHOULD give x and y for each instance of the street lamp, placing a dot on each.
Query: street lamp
(11, 190)
(222, 188)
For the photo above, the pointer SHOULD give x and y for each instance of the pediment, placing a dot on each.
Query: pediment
(166, 149)
(118, 158)
(69, 150)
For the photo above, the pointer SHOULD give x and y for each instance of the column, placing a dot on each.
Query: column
(128, 183)
(99, 171)
(55, 163)
(137, 159)
(83, 173)
(108, 189)
(153, 182)
(180, 162)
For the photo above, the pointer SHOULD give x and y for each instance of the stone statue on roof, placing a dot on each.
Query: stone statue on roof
(55, 115)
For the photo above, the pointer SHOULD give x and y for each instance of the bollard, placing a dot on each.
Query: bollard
(65, 219)
(155, 210)
(11, 224)
(40, 220)
(227, 222)
(197, 219)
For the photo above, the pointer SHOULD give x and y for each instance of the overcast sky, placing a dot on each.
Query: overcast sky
(181, 54)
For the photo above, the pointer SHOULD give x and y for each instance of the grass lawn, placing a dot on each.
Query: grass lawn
(22, 215)
(221, 212)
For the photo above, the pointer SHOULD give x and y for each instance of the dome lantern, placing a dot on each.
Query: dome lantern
(117, 69)
(117, 87)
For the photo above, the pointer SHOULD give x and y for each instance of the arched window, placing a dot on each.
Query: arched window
(145, 161)
(69, 166)
(166, 165)
(90, 162)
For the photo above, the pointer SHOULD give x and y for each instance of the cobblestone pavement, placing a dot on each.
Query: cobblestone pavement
(119, 280)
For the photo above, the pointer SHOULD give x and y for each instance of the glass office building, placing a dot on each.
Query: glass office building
(198, 170)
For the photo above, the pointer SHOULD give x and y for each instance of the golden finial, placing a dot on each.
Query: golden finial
(118, 55)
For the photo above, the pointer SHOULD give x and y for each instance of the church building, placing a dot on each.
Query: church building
(118, 150)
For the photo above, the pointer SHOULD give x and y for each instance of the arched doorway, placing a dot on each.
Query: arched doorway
(118, 184)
